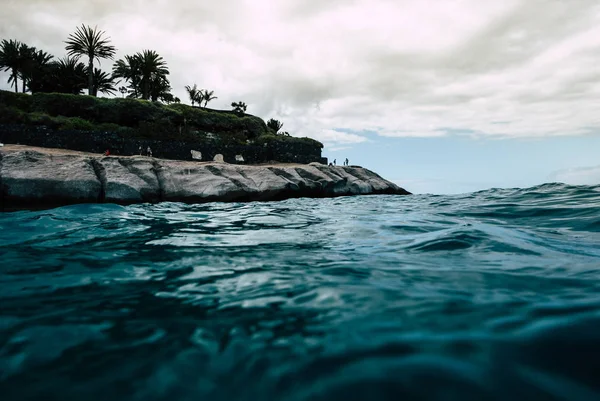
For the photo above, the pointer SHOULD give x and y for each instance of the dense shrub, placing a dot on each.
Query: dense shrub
(19, 101)
(272, 138)
(74, 124)
(37, 118)
(219, 122)
(61, 104)
(139, 118)
(110, 127)
(12, 115)
(129, 112)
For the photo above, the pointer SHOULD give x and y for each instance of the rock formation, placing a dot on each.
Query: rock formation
(47, 177)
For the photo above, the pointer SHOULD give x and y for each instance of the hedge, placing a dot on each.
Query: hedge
(136, 117)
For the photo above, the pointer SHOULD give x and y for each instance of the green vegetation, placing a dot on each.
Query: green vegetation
(207, 96)
(199, 95)
(12, 54)
(194, 94)
(147, 108)
(239, 107)
(146, 71)
(90, 42)
(135, 118)
(274, 125)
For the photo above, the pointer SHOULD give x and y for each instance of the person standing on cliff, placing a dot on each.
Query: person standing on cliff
(346, 162)
(149, 152)
(140, 150)
(334, 162)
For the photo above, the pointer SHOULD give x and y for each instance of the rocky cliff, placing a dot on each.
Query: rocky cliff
(38, 177)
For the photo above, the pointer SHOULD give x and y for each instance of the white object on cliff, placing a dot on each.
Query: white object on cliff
(239, 158)
(218, 158)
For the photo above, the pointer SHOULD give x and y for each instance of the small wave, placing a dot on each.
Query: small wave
(489, 295)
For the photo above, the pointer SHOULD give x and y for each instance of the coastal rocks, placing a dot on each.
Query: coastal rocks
(127, 179)
(30, 177)
(53, 177)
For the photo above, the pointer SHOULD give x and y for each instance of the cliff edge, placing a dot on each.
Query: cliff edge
(42, 177)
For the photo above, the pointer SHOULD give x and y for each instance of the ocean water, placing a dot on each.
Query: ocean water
(493, 295)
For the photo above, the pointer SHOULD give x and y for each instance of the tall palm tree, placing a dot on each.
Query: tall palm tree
(103, 83)
(207, 96)
(90, 42)
(128, 69)
(11, 59)
(26, 55)
(153, 71)
(193, 93)
(70, 75)
(36, 72)
(160, 89)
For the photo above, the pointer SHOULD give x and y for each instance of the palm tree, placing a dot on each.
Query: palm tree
(128, 69)
(70, 76)
(26, 55)
(103, 83)
(153, 71)
(207, 96)
(90, 42)
(274, 125)
(36, 72)
(11, 59)
(193, 93)
(160, 89)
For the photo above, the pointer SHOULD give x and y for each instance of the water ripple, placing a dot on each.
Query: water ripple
(485, 296)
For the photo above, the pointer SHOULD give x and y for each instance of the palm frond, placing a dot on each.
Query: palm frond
(91, 42)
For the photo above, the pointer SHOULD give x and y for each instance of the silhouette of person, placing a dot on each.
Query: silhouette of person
(107, 153)
(140, 150)
(346, 162)
(334, 162)
(149, 151)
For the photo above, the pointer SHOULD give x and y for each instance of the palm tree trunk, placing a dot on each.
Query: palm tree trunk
(24, 86)
(91, 77)
(14, 74)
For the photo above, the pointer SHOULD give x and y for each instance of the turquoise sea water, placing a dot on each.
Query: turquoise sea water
(492, 295)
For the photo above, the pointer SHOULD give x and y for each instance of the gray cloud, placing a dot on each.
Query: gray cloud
(397, 68)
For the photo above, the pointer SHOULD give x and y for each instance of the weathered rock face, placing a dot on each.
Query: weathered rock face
(38, 177)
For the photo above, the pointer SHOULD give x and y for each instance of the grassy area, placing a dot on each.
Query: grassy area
(136, 118)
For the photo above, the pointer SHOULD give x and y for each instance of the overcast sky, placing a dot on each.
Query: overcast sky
(440, 82)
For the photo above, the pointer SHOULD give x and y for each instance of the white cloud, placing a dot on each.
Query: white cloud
(578, 176)
(330, 137)
(516, 68)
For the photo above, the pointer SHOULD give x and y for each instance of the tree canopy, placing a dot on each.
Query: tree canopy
(147, 75)
(90, 42)
(274, 125)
